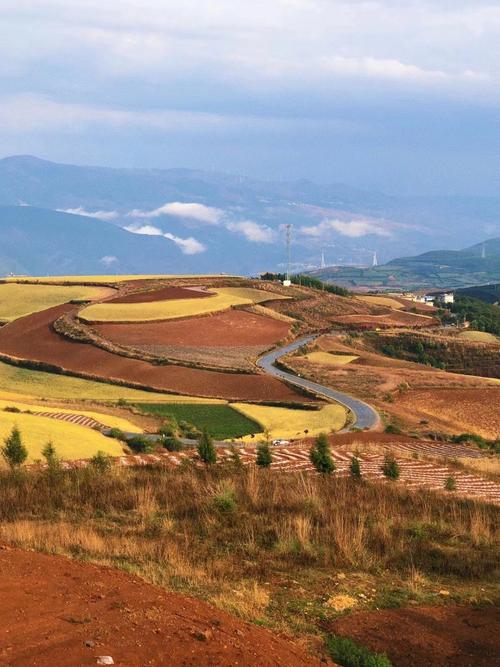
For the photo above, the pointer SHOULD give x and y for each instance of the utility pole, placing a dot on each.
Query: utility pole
(288, 229)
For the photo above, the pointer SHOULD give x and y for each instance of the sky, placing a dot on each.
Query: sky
(401, 96)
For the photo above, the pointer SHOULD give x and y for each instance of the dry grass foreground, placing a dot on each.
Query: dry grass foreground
(265, 546)
(294, 423)
(223, 298)
(18, 300)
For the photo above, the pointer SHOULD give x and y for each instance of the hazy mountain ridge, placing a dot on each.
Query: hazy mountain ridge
(345, 223)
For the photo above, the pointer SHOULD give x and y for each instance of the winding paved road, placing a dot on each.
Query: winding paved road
(365, 417)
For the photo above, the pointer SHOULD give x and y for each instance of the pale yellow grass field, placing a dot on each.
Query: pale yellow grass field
(382, 301)
(289, 424)
(224, 298)
(22, 383)
(47, 280)
(108, 420)
(330, 359)
(18, 300)
(479, 336)
(71, 441)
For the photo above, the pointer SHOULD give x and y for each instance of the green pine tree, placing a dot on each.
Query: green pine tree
(264, 456)
(50, 455)
(355, 468)
(391, 467)
(320, 455)
(206, 449)
(13, 451)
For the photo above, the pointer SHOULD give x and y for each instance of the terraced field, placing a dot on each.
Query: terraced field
(75, 416)
(71, 441)
(33, 338)
(17, 300)
(386, 301)
(222, 299)
(295, 423)
(414, 474)
(50, 280)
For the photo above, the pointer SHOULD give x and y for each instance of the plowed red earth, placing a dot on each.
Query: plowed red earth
(428, 636)
(164, 294)
(234, 328)
(60, 612)
(33, 338)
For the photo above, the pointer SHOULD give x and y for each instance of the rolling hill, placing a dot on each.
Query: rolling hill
(477, 265)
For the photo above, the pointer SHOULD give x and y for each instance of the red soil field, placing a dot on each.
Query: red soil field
(428, 636)
(395, 318)
(164, 294)
(33, 338)
(56, 611)
(234, 328)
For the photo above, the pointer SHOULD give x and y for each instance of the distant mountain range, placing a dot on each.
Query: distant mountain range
(220, 222)
(476, 265)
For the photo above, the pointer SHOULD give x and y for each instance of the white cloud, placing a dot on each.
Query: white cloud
(108, 260)
(99, 215)
(384, 68)
(351, 228)
(252, 231)
(188, 246)
(193, 211)
(148, 230)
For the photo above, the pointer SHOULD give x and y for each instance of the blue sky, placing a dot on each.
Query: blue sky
(396, 95)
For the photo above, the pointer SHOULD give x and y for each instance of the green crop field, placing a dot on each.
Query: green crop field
(18, 300)
(221, 421)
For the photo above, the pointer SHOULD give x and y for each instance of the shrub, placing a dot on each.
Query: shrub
(206, 449)
(115, 433)
(390, 467)
(50, 455)
(171, 443)
(392, 428)
(355, 468)
(13, 451)
(349, 653)
(101, 462)
(235, 457)
(140, 445)
(320, 455)
(264, 456)
(11, 408)
(225, 500)
(450, 483)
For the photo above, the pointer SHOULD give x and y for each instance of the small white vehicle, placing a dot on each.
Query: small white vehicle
(280, 441)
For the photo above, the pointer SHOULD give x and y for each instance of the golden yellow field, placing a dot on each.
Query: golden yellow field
(47, 280)
(224, 298)
(70, 441)
(382, 301)
(108, 420)
(17, 300)
(479, 336)
(330, 359)
(289, 423)
(25, 384)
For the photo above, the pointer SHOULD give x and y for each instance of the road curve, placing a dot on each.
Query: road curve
(365, 417)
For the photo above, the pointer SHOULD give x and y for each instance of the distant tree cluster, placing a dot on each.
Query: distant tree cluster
(308, 281)
(482, 316)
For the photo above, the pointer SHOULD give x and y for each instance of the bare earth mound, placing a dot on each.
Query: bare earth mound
(60, 612)
(430, 636)
(33, 338)
(234, 328)
(164, 294)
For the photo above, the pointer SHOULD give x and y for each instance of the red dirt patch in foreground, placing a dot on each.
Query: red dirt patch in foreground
(33, 338)
(428, 636)
(51, 606)
(164, 294)
(235, 328)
